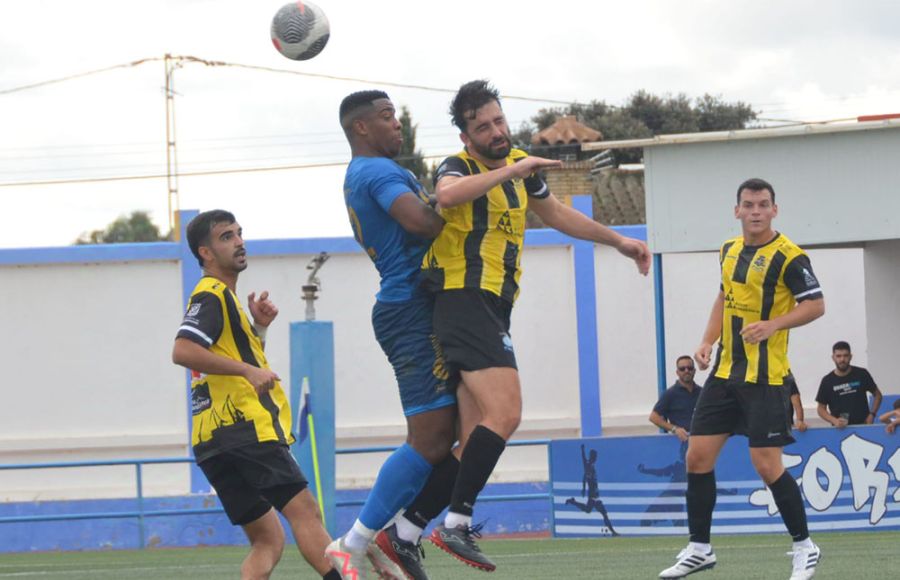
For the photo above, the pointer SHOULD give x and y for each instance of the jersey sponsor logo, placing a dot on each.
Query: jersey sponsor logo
(729, 300)
(732, 304)
(194, 310)
(505, 224)
(759, 264)
(200, 399)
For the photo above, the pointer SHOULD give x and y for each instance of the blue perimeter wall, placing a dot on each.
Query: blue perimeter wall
(507, 517)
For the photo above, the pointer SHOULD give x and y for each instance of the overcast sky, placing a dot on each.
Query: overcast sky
(799, 60)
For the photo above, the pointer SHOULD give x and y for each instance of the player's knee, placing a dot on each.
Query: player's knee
(433, 443)
(508, 423)
(697, 461)
(270, 543)
(767, 472)
(308, 509)
(433, 449)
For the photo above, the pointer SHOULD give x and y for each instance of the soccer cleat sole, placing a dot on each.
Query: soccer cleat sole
(380, 541)
(382, 573)
(477, 565)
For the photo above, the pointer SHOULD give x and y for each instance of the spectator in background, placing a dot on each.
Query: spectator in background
(675, 408)
(892, 418)
(843, 391)
(797, 415)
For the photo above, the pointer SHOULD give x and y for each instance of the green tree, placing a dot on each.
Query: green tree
(644, 115)
(136, 227)
(410, 157)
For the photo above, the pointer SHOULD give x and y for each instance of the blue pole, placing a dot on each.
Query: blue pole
(660, 315)
(586, 324)
(190, 275)
(140, 502)
(312, 356)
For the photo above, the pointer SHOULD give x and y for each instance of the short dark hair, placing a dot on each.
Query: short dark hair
(199, 228)
(755, 184)
(469, 98)
(353, 102)
(841, 345)
(682, 357)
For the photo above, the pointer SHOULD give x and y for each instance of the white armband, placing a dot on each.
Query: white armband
(261, 332)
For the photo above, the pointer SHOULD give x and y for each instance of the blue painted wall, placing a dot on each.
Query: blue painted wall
(509, 517)
(850, 479)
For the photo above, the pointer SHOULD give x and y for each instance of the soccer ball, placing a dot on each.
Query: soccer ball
(300, 30)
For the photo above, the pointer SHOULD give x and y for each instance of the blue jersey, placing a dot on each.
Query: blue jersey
(371, 185)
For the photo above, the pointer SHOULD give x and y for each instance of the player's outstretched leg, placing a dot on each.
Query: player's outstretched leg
(407, 555)
(598, 505)
(350, 565)
(460, 543)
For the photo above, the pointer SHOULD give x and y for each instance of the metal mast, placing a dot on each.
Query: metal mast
(171, 64)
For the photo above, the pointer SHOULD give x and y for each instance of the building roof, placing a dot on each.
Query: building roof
(764, 133)
(564, 131)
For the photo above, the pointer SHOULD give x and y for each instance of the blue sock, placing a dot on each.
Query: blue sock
(400, 480)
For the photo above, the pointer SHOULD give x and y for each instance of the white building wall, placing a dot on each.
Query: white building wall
(882, 280)
(89, 375)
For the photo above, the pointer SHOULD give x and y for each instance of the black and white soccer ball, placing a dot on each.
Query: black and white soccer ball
(300, 30)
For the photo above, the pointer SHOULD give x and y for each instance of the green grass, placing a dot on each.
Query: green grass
(850, 555)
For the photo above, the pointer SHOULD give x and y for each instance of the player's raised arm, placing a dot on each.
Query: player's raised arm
(574, 223)
(453, 189)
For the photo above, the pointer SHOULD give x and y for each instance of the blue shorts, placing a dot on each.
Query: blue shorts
(404, 331)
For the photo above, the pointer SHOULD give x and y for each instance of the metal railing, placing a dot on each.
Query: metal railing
(140, 513)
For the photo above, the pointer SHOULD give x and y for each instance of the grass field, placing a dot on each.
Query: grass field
(851, 555)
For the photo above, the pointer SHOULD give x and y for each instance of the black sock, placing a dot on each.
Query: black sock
(701, 500)
(331, 575)
(787, 497)
(435, 496)
(478, 461)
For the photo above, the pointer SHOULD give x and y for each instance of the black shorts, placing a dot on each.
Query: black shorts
(251, 479)
(758, 411)
(472, 327)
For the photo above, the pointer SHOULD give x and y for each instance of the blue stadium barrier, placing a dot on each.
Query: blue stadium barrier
(850, 480)
(141, 513)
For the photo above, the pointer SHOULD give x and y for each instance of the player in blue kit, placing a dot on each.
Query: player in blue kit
(394, 223)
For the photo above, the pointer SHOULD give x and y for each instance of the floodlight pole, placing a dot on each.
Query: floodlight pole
(171, 63)
(313, 284)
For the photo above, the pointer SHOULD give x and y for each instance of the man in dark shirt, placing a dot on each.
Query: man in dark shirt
(843, 391)
(797, 415)
(675, 408)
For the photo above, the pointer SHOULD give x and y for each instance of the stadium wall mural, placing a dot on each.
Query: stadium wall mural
(850, 480)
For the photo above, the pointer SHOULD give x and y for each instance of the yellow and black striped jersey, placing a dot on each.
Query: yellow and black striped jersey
(760, 283)
(481, 243)
(227, 412)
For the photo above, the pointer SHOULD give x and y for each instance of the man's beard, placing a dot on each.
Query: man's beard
(490, 153)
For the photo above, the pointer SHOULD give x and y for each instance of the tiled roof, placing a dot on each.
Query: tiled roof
(564, 131)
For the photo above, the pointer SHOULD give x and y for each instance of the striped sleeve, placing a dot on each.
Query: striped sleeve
(203, 320)
(451, 166)
(800, 279)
